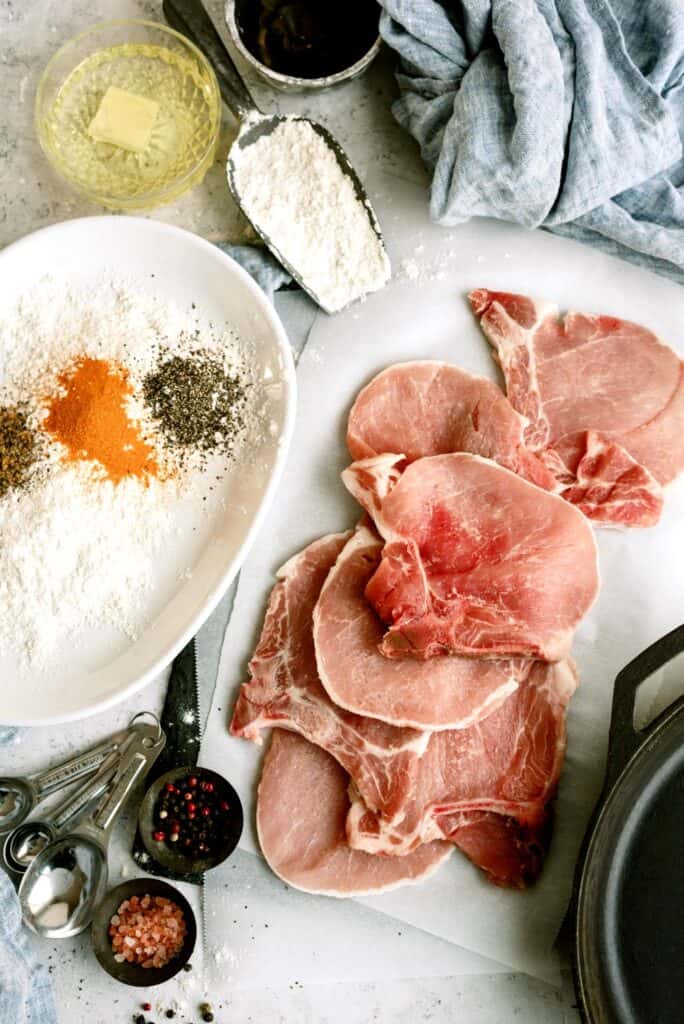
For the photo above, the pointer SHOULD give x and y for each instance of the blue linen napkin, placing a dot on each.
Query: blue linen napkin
(259, 262)
(25, 990)
(566, 114)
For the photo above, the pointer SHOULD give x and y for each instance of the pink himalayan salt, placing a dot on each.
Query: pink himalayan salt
(148, 931)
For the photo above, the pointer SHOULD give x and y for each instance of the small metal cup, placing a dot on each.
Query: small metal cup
(134, 974)
(292, 83)
(177, 861)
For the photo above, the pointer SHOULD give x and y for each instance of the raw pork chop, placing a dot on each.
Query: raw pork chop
(592, 374)
(608, 486)
(431, 408)
(444, 693)
(476, 560)
(510, 854)
(285, 690)
(386, 762)
(506, 767)
(301, 810)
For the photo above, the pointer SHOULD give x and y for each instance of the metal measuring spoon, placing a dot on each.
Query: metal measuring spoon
(191, 19)
(20, 795)
(64, 883)
(24, 843)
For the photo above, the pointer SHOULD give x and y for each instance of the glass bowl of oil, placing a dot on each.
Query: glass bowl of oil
(155, 66)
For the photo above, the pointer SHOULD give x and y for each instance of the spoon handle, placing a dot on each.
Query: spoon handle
(77, 802)
(76, 767)
(190, 19)
(140, 754)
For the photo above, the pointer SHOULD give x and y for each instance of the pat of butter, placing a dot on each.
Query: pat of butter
(124, 120)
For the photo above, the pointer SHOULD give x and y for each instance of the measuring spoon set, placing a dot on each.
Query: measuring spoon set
(59, 860)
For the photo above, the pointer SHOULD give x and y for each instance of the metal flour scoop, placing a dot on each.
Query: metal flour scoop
(256, 128)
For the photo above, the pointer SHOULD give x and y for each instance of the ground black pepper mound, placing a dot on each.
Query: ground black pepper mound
(18, 448)
(196, 403)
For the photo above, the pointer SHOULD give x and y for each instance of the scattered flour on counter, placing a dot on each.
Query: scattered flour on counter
(410, 269)
(292, 186)
(417, 268)
(222, 955)
(189, 989)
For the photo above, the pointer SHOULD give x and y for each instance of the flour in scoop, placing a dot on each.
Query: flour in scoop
(293, 188)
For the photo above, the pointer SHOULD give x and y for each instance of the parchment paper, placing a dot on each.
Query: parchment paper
(423, 314)
(260, 931)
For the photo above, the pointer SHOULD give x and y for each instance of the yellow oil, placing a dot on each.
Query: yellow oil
(182, 143)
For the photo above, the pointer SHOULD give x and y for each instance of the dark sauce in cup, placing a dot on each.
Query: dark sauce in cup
(307, 38)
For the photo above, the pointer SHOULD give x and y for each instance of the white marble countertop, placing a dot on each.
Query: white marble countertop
(32, 197)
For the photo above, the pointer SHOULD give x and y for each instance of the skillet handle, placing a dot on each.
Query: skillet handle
(624, 738)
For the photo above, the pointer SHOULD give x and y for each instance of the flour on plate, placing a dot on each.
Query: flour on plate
(292, 186)
(78, 551)
(73, 556)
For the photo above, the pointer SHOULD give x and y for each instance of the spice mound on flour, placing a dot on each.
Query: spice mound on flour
(18, 449)
(91, 420)
(293, 188)
(196, 403)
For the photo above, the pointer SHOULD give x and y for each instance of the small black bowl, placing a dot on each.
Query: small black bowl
(178, 862)
(134, 974)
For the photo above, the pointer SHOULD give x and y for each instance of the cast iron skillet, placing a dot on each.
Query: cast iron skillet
(629, 923)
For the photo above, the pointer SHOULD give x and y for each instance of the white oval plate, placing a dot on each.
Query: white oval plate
(176, 265)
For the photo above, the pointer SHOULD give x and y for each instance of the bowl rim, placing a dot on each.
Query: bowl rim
(277, 77)
(155, 197)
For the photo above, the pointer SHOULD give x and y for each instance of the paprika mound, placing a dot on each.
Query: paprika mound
(91, 420)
